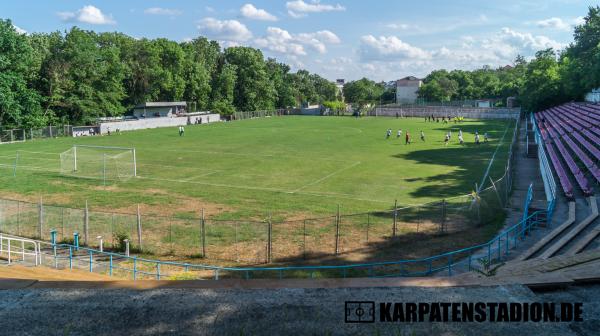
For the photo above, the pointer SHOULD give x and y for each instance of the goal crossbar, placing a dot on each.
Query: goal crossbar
(99, 161)
(105, 147)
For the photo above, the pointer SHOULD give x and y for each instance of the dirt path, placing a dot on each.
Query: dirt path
(48, 274)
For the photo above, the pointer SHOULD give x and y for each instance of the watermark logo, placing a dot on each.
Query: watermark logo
(360, 312)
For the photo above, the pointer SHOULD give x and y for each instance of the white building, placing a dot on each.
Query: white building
(407, 89)
(339, 83)
(159, 109)
(593, 96)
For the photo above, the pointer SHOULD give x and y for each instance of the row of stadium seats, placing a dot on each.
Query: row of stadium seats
(572, 126)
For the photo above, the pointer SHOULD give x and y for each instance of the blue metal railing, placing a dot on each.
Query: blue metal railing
(494, 250)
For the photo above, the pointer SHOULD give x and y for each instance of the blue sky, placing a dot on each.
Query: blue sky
(382, 40)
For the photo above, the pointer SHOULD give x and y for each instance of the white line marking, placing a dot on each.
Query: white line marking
(326, 177)
(278, 155)
(202, 175)
(264, 189)
(49, 153)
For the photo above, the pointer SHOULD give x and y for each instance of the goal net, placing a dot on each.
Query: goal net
(99, 162)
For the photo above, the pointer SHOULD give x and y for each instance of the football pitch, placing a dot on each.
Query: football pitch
(290, 167)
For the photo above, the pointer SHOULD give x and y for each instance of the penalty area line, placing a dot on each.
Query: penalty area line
(261, 188)
(326, 177)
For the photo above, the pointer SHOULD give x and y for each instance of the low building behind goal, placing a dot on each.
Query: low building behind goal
(99, 162)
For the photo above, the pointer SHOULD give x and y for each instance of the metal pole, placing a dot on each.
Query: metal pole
(134, 164)
(237, 251)
(203, 234)
(496, 190)
(304, 240)
(395, 218)
(368, 224)
(104, 168)
(477, 204)
(86, 219)
(337, 230)
(270, 240)
(16, 163)
(443, 214)
(139, 226)
(74, 158)
(18, 218)
(40, 217)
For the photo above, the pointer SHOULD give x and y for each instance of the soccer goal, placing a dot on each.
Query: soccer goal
(99, 162)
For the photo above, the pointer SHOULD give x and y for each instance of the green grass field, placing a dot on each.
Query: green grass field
(290, 166)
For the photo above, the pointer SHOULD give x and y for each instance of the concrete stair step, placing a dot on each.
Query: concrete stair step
(566, 239)
(551, 236)
(586, 239)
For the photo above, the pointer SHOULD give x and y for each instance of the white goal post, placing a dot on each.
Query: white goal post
(101, 162)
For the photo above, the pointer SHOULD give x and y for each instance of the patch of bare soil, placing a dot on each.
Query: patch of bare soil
(51, 199)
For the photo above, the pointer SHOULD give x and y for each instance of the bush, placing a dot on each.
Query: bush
(119, 238)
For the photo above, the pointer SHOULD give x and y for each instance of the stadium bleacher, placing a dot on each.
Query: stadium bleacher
(571, 136)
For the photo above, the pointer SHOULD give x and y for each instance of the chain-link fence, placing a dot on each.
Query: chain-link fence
(253, 241)
(18, 135)
(258, 114)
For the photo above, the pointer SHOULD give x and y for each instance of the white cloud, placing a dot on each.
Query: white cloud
(398, 26)
(554, 23)
(224, 30)
(209, 9)
(528, 42)
(20, 30)
(579, 20)
(87, 14)
(299, 8)
(560, 24)
(388, 57)
(251, 12)
(389, 48)
(281, 41)
(162, 11)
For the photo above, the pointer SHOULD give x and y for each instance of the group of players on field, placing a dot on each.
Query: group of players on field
(408, 139)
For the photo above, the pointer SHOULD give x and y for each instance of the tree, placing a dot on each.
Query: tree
(19, 102)
(542, 87)
(85, 77)
(224, 89)
(279, 75)
(253, 89)
(438, 86)
(363, 92)
(581, 60)
(201, 57)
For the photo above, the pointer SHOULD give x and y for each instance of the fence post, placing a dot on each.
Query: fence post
(443, 214)
(104, 169)
(203, 234)
(497, 193)
(477, 204)
(139, 226)
(237, 246)
(86, 222)
(337, 230)
(270, 239)
(304, 239)
(76, 240)
(395, 217)
(16, 164)
(40, 218)
(368, 224)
